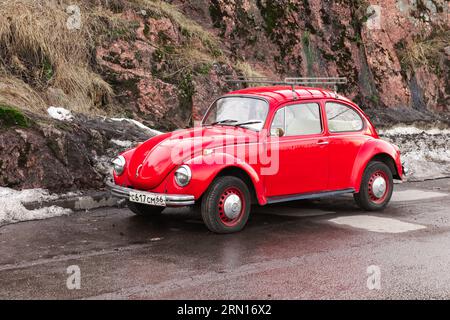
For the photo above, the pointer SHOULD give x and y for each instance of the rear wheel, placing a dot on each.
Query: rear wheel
(376, 187)
(144, 210)
(226, 205)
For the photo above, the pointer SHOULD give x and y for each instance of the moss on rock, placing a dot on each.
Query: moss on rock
(11, 117)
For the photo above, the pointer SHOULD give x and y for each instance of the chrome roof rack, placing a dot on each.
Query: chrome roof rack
(312, 81)
(290, 81)
(260, 80)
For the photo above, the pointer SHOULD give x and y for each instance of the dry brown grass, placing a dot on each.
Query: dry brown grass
(34, 34)
(38, 51)
(40, 56)
(15, 92)
(248, 71)
(189, 27)
(425, 51)
(198, 48)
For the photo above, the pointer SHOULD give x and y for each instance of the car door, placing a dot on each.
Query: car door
(345, 128)
(302, 150)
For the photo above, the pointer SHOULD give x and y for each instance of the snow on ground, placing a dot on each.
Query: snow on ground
(426, 152)
(122, 143)
(403, 130)
(12, 209)
(138, 124)
(103, 164)
(60, 113)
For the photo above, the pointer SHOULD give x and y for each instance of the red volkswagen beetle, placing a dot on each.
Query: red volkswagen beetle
(260, 146)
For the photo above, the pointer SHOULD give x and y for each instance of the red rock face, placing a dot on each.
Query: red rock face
(160, 91)
(128, 64)
(278, 39)
(329, 38)
(402, 22)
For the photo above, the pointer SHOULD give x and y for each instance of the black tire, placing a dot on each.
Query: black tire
(213, 202)
(144, 210)
(365, 199)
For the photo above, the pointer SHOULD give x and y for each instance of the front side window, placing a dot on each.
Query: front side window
(297, 119)
(342, 118)
(244, 111)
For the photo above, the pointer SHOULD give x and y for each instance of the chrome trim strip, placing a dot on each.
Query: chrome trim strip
(278, 199)
(172, 200)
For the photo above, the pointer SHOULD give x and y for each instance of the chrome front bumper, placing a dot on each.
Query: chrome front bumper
(172, 200)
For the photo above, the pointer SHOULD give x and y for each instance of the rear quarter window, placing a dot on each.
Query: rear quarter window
(342, 118)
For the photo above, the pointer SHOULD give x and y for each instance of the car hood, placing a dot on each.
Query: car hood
(154, 159)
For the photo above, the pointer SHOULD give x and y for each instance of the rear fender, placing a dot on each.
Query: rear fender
(371, 149)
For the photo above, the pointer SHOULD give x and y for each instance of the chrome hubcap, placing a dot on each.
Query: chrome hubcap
(379, 187)
(232, 206)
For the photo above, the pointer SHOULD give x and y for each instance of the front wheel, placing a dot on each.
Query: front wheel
(226, 205)
(376, 187)
(143, 209)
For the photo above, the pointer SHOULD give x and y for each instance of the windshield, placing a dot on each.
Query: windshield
(238, 111)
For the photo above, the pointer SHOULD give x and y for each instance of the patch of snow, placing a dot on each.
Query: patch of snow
(426, 153)
(60, 113)
(124, 144)
(12, 209)
(405, 130)
(138, 124)
(427, 164)
(103, 164)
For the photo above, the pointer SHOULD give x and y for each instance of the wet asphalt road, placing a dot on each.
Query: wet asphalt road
(289, 251)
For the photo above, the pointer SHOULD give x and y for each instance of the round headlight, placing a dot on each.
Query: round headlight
(119, 165)
(183, 175)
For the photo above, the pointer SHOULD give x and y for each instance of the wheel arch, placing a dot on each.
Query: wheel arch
(225, 165)
(389, 161)
(244, 176)
(376, 150)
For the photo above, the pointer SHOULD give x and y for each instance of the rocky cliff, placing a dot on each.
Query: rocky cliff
(395, 54)
(392, 52)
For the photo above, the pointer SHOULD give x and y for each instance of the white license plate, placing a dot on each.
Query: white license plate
(148, 198)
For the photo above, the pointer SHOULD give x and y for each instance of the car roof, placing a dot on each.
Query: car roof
(280, 94)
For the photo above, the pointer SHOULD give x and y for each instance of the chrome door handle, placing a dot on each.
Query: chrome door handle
(323, 142)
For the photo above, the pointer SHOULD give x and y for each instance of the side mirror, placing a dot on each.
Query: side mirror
(279, 132)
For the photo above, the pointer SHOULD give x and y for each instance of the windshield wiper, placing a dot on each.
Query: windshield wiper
(224, 121)
(247, 123)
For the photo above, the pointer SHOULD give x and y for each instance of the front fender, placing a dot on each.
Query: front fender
(205, 169)
(367, 152)
(146, 146)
